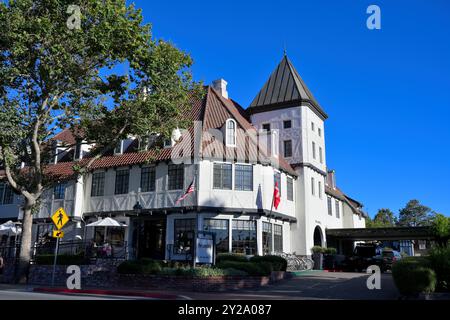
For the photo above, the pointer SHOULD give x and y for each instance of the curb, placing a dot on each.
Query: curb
(109, 292)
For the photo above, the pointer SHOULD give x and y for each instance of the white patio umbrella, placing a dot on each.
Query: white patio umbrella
(10, 227)
(106, 222)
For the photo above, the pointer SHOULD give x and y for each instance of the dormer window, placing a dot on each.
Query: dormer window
(230, 135)
(167, 143)
(119, 148)
(144, 143)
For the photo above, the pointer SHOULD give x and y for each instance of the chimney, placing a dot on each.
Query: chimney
(331, 179)
(220, 85)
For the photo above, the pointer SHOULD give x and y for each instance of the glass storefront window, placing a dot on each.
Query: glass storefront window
(220, 228)
(183, 235)
(278, 238)
(244, 237)
(267, 237)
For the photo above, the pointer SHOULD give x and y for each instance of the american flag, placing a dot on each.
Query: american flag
(189, 190)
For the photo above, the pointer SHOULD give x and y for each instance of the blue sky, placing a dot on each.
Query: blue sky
(387, 91)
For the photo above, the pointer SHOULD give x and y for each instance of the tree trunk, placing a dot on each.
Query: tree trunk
(25, 245)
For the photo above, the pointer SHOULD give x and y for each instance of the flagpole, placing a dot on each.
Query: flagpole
(270, 214)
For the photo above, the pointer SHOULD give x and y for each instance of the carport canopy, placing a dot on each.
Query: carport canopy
(391, 233)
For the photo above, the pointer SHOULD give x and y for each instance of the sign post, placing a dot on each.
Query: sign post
(59, 218)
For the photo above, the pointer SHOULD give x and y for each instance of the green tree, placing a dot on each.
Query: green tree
(414, 214)
(61, 65)
(440, 225)
(383, 218)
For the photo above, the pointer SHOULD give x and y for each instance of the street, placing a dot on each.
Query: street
(314, 285)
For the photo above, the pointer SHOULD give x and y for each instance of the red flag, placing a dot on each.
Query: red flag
(276, 196)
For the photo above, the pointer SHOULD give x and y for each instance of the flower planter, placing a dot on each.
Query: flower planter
(318, 261)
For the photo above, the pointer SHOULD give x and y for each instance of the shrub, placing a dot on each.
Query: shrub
(317, 249)
(330, 250)
(251, 268)
(278, 263)
(221, 257)
(440, 262)
(63, 259)
(413, 276)
(144, 266)
(201, 272)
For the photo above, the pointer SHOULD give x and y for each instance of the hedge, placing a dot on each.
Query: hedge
(251, 268)
(144, 266)
(221, 257)
(202, 272)
(278, 263)
(440, 262)
(62, 259)
(413, 276)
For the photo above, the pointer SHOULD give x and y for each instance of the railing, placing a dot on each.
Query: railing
(87, 249)
(10, 252)
(296, 263)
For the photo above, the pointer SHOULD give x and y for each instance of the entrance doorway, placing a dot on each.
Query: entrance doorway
(318, 237)
(152, 239)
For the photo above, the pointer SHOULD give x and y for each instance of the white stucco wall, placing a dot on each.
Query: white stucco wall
(259, 198)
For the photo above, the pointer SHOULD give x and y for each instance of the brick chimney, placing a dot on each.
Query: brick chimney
(220, 85)
(331, 179)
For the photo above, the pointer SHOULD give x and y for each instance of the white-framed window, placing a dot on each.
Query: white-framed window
(287, 146)
(59, 191)
(243, 177)
(122, 181)
(119, 148)
(330, 208)
(320, 155)
(230, 135)
(222, 176)
(290, 189)
(287, 124)
(320, 189)
(6, 194)
(167, 143)
(98, 184)
(314, 149)
(266, 127)
(148, 179)
(275, 143)
(336, 203)
(175, 175)
(319, 130)
(313, 126)
(277, 238)
(313, 192)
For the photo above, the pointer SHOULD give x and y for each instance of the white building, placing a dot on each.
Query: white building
(279, 138)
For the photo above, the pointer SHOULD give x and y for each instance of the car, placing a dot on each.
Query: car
(364, 255)
(389, 258)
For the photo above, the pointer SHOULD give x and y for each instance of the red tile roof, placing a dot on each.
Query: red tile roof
(213, 110)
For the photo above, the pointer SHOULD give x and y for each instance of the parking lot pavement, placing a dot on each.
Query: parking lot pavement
(316, 285)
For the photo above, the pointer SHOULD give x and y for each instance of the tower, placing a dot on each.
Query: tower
(287, 105)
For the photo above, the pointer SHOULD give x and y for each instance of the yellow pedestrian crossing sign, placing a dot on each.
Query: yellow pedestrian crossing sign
(58, 234)
(60, 218)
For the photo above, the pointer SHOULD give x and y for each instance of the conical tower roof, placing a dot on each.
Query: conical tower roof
(285, 88)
